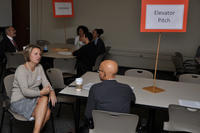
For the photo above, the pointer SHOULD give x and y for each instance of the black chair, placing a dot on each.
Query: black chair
(70, 40)
(8, 81)
(182, 66)
(193, 61)
(183, 119)
(112, 122)
(56, 79)
(13, 61)
(100, 58)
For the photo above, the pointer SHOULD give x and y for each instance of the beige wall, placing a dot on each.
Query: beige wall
(121, 23)
(5, 13)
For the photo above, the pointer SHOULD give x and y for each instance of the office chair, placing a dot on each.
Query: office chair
(108, 48)
(8, 83)
(183, 119)
(66, 66)
(98, 61)
(70, 40)
(182, 66)
(190, 78)
(193, 61)
(100, 58)
(13, 61)
(56, 79)
(139, 73)
(112, 122)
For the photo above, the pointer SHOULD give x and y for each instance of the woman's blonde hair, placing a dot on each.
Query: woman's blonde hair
(27, 51)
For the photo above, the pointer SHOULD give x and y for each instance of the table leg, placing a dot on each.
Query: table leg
(151, 121)
(77, 113)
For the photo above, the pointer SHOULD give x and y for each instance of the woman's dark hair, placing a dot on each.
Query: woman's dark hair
(89, 36)
(99, 32)
(84, 28)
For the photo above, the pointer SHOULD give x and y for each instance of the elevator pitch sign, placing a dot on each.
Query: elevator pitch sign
(164, 15)
(63, 8)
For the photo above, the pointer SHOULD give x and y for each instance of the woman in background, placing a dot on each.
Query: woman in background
(81, 31)
(85, 56)
(27, 99)
(98, 41)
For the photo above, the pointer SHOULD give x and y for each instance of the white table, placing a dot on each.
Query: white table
(173, 92)
(57, 57)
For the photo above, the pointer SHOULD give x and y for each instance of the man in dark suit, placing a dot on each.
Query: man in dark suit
(8, 44)
(109, 95)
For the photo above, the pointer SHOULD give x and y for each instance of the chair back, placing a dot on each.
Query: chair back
(100, 58)
(184, 119)
(139, 73)
(177, 60)
(42, 42)
(190, 78)
(62, 63)
(14, 60)
(8, 83)
(112, 122)
(108, 49)
(98, 61)
(70, 40)
(56, 78)
(198, 52)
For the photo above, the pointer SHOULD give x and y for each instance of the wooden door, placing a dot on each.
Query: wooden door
(21, 21)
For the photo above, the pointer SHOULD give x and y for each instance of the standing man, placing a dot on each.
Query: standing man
(8, 44)
(109, 95)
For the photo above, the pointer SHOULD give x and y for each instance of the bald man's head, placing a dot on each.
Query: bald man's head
(108, 70)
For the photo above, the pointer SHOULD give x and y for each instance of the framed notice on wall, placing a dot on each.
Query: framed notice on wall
(63, 8)
(164, 15)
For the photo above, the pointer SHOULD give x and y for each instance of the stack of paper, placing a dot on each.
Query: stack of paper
(88, 86)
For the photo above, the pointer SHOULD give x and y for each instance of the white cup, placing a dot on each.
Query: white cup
(79, 84)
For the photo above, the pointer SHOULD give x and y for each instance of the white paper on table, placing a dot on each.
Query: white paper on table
(88, 86)
(189, 103)
(65, 53)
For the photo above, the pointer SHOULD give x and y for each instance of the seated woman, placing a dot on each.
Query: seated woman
(81, 31)
(26, 98)
(98, 41)
(86, 56)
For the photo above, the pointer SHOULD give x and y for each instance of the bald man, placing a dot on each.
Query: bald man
(109, 95)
